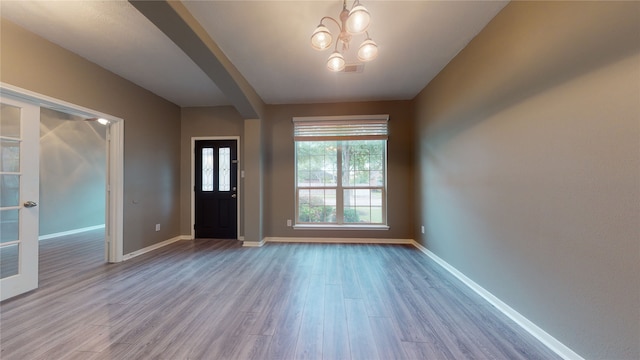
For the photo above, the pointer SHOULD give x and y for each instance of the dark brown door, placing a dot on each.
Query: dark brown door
(216, 184)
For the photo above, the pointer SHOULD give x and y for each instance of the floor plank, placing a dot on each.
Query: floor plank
(361, 339)
(207, 299)
(335, 338)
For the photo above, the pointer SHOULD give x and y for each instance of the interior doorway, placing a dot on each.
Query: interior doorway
(114, 148)
(73, 169)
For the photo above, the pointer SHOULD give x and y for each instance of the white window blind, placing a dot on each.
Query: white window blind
(365, 127)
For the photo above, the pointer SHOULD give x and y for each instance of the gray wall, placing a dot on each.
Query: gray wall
(528, 161)
(151, 146)
(72, 172)
(279, 167)
(203, 122)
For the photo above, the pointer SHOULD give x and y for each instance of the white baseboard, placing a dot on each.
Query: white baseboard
(548, 340)
(254, 243)
(70, 232)
(338, 240)
(154, 247)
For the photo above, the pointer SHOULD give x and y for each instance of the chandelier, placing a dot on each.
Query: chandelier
(352, 22)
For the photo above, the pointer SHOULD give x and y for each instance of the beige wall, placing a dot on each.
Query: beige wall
(528, 169)
(204, 122)
(151, 146)
(279, 167)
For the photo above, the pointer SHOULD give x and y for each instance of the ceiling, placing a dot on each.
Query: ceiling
(267, 41)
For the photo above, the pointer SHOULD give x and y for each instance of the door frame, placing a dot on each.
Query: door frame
(193, 180)
(114, 191)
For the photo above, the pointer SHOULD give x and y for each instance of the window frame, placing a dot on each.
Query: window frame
(339, 188)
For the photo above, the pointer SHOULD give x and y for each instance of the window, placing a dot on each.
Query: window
(341, 171)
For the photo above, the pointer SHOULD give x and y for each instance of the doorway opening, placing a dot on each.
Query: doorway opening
(73, 152)
(112, 184)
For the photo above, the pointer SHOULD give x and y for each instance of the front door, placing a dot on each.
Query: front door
(216, 185)
(19, 194)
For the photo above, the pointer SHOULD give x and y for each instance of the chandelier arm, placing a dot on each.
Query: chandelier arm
(332, 19)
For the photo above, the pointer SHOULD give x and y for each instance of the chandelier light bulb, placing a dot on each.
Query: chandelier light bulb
(336, 62)
(321, 38)
(368, 51)
(358, 20)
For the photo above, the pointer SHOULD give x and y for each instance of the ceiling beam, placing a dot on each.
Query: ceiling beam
(175, 21)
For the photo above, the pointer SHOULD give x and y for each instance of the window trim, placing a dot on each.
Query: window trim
(322, 226)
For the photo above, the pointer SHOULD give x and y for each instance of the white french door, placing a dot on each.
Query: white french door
(19, 196)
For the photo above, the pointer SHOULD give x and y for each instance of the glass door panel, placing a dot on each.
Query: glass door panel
(19, 141)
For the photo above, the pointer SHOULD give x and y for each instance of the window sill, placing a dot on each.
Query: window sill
(339, 227)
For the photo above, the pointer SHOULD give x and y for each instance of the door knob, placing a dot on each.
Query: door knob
(234, 196)
(30, 204)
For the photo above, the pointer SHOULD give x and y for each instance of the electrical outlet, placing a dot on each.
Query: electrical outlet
(157, 227)
(422, 229)
(289, 222)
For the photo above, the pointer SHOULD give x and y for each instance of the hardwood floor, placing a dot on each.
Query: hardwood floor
(210, 299)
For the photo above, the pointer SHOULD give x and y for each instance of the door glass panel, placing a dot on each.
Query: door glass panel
(224, 169)
(9, 260)
(10, 159)
(9, 190)
(9, 121)
(9, 225)
(207, 169)
(19, 134)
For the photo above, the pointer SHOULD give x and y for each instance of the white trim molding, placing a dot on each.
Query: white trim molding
(338, 240)
(70, 232)
(115, 192)
(254, 243)
(533, 329)
(339, 227)
(156, 246)
(380, 117)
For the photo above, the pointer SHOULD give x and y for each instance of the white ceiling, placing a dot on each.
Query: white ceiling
(267, 41)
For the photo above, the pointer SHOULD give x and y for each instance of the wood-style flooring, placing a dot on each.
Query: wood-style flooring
(213, 299)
